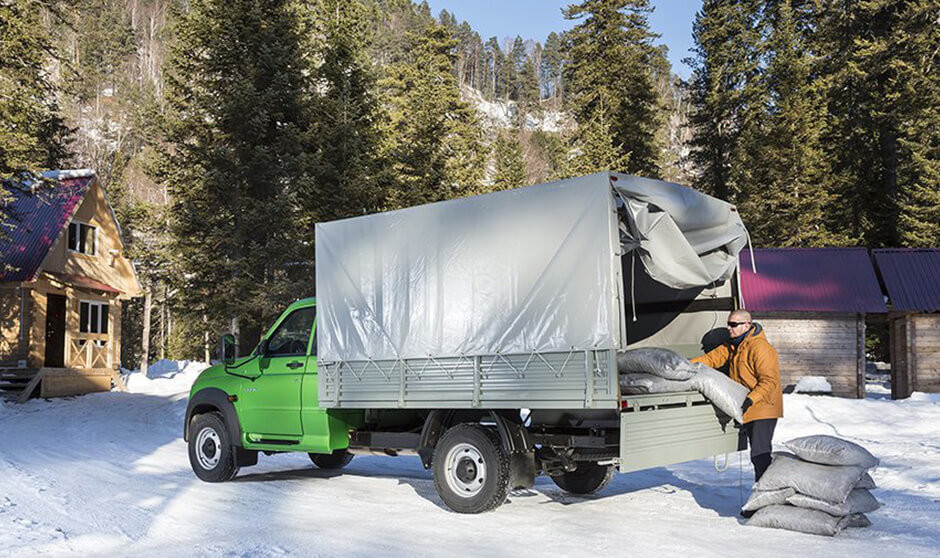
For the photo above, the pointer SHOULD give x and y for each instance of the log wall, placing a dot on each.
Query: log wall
(915, 354)
(831, 346)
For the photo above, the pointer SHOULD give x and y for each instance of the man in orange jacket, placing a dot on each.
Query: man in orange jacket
(752, 363)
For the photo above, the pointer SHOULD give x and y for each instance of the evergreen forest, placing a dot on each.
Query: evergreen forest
(224, 130)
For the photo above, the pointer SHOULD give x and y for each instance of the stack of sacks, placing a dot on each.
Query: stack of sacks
(653, 370)
(821, 490)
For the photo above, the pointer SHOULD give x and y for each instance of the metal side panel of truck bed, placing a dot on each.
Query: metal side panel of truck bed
(569, 380)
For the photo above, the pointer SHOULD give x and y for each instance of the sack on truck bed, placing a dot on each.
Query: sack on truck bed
(831, 483)
(658, 362)
(722, 391)
(804, 520)
(830, 450)
(639, 384)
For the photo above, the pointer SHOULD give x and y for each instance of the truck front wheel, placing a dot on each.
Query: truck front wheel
(588, 478)
(336, 460)
(210, 451)
(471, 470)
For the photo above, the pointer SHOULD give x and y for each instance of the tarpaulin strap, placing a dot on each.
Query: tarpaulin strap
(722, 468)
(740, 289)
(750, 248)
(633, 283)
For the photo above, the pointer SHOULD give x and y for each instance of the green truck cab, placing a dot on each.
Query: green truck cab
(266, 401)
(481, 336)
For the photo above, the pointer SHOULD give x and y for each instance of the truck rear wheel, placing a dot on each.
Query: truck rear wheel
(336, 460)
(471, 470)
(211, 454)
(588, 478)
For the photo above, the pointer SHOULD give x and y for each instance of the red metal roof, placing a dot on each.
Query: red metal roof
(84, 282)
(37, 220)
(811, 280)
(911, 277)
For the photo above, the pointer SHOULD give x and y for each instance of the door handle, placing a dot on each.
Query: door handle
(294, 364)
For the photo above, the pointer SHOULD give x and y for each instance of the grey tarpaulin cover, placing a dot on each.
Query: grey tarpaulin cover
(518, 271)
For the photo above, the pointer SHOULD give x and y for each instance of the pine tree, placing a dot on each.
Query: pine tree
(237, 126)
(33, 136)
(786, 191)
(727, 96)
(592, 150)
(508, 162)
(349, 178)
(433, 139)
(553, 63)
(609, 77)
(884, 102)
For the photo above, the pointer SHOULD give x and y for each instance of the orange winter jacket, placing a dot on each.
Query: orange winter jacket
(754, 365)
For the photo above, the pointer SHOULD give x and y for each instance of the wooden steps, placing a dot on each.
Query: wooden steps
(14, 380)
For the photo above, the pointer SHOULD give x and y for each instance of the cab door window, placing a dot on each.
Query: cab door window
(293, 335)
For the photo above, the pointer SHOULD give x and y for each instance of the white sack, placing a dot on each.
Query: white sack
(792, 518)
(635, 384)
(659, 362)
(831, 483)
(763, 498)
(722, 391)
(860, 500)
(866, 482)
(856, 520)
(830, 450)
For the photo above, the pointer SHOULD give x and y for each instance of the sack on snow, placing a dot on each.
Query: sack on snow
(722, 391)
(803, 520)
(640, 383)
(831, 483)
(659, 362)
(856, 520)
(830, 450)
(860, 500)
(866, 482)
(763, 498)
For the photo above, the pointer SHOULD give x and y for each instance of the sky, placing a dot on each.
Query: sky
(535, 19)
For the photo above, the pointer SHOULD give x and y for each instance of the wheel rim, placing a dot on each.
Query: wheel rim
(466, 470)
(208, 448)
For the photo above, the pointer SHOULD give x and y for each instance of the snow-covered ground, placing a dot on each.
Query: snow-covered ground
(108, 474)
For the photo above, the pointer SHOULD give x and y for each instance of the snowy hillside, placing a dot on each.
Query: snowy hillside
(502, 114)
(107, 474)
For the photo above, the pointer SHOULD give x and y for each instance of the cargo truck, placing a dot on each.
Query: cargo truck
(481, 335)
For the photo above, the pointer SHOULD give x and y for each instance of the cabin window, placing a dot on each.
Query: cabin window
(82, 237)
(93, 317)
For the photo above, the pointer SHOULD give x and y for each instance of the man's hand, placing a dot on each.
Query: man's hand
(747, 405)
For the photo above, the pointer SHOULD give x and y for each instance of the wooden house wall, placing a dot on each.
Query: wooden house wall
(15, 308)
(111, 269)
(915, 354)
(831, 346)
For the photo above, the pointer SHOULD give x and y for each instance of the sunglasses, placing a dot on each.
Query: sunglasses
(736, 324)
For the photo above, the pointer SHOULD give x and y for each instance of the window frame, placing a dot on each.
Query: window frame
(310, 334)
(78, 237)
(104, 310)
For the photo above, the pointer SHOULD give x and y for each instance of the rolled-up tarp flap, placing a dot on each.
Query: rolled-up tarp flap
(534, 269)
(686, 239)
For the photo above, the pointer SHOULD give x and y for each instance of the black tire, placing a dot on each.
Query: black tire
(471, 470)
(211, 454)
(336, 460)
(588, 478)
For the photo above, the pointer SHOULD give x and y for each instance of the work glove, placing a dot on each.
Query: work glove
(746, 405)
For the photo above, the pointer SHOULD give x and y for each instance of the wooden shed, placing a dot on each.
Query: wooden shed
(813, 304)
(912, 279)
(63, 278)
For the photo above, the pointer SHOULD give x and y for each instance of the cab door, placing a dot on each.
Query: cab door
(270, 405)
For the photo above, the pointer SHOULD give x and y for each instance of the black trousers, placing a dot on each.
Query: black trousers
(760, 435)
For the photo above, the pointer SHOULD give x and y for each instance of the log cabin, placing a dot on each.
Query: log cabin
(63, 280)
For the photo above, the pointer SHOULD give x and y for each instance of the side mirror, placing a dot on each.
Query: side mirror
(262, 347)
(228, 349)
